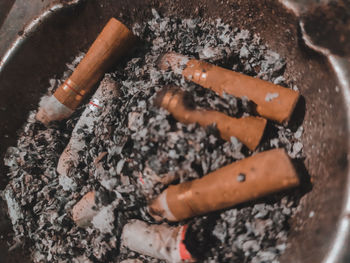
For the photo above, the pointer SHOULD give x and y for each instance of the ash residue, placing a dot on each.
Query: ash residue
(255, 233)
(138, 149)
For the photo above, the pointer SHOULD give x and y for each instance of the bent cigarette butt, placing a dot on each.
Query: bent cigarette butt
(113, 42)
(248, 179)
(158, 241)
(273, 101)
(249, 130)
(84, 211)
(89, 119)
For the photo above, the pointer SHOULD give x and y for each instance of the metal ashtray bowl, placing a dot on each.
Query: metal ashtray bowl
(320, 231)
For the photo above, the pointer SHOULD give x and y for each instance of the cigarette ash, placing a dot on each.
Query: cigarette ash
(139, 149)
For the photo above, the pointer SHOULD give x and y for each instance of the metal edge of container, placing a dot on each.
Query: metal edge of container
(31, 27)
(340, 248)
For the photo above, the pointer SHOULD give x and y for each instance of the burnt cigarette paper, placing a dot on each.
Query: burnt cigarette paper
(241, 181)
(158, 241)
(90, 118)
(273, 101)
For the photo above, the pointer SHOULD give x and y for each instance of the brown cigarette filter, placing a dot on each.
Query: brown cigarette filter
(242, 181)
(273, 101)
(248, 130)
(112, 43)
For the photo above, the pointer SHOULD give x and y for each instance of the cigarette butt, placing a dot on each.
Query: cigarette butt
(242, 181)
(248, 130)
(113, 42)
(84, 211)
(273, 101)
(88, 120)
(158, 241)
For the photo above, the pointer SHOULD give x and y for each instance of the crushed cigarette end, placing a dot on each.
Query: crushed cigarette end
(89, 119)
(84, 211)
(159, 241)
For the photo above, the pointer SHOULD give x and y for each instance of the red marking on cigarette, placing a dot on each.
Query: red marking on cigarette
(141, 179)
(93, 104)
(72, 89)
(113, 42)
(184, 254)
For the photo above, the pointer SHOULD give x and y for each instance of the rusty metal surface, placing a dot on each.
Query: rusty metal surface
(323, 81)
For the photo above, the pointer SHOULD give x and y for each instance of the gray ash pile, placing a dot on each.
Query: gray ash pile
(136, 149)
